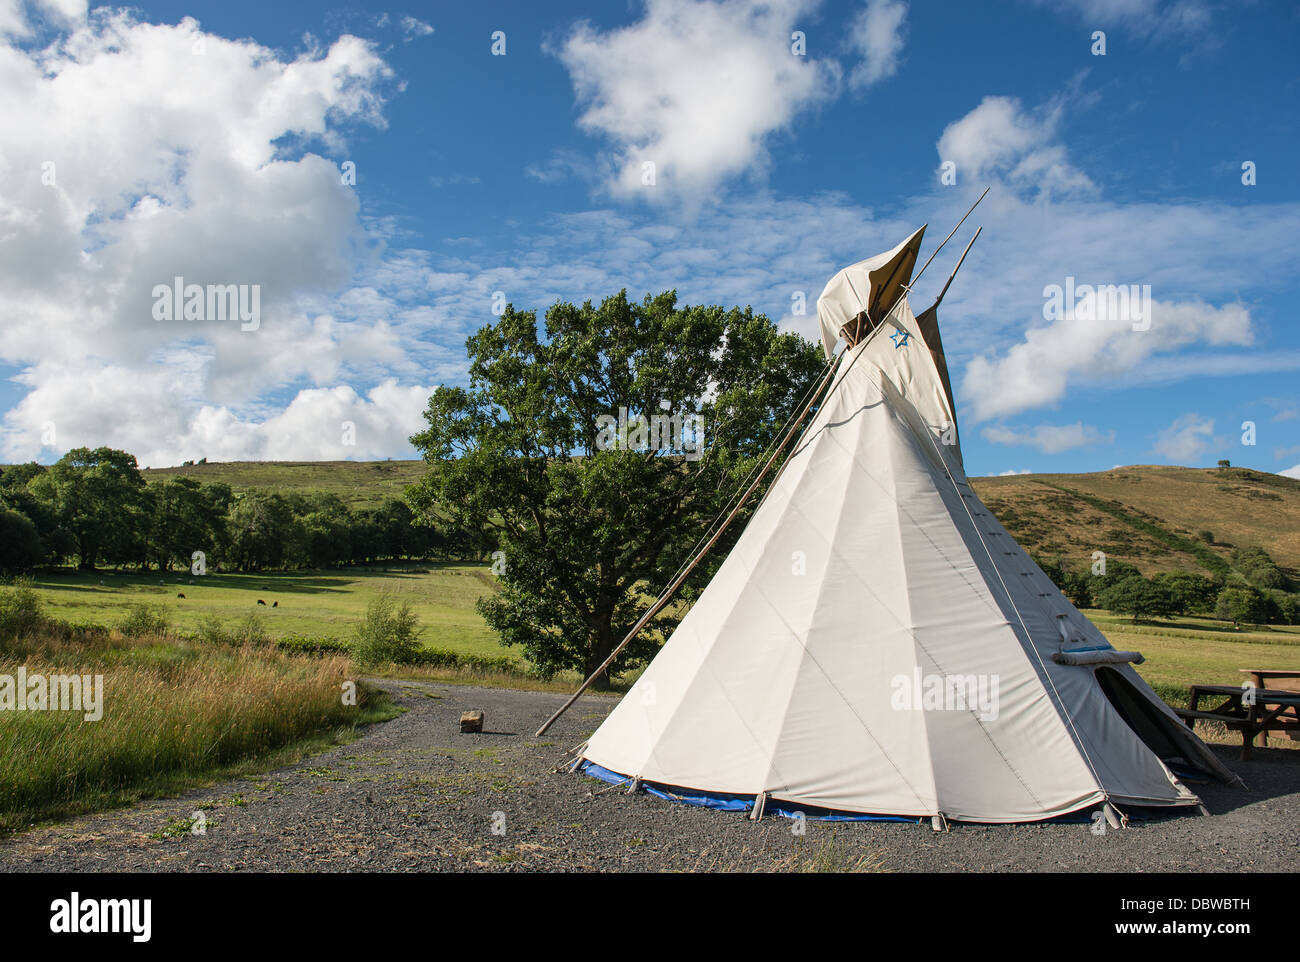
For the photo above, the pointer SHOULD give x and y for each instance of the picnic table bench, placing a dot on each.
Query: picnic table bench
(1266, 710)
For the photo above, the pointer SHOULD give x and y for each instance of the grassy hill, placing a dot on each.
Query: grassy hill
(359, 484)
(1150, 516)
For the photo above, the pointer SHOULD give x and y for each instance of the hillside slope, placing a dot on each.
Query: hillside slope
(1150, 516)
(359, 484)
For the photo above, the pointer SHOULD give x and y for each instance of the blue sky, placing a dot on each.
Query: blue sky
(206, 140)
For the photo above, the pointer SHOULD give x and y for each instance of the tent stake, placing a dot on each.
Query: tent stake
(1111, 817)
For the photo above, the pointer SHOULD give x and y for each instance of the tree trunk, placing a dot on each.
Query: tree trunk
(601, 646)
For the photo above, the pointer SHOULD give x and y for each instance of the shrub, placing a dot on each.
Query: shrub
(490, 664)
(1193, 594)
(389, 633)
(1077, 587)
(145, 619)
(78, 630)
(21, 609)
(1241, 606)
(1136, 596)
(20, 544)
(1260, 570)
(249, 630)
(212, 631)
(1283, 607)
(311, 645)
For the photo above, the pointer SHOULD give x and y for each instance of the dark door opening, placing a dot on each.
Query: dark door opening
(1168, 739)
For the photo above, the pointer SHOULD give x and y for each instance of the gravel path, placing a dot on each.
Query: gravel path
(414, 794)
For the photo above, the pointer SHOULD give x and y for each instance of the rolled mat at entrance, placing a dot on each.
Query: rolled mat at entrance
(1103, 657)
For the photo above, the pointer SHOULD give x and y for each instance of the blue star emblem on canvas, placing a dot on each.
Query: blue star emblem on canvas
(899, 338)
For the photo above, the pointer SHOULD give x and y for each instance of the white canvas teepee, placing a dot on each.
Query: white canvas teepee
(876, 642)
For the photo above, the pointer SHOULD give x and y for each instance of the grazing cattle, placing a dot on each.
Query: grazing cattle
(180, 594)
(275, 604)
(261, 602)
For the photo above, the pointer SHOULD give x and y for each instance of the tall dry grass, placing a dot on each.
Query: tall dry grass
(173, 711)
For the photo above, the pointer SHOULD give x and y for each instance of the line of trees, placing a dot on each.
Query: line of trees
(1256, 591)
(93, 507)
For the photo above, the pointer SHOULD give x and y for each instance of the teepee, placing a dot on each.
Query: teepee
(876, 644)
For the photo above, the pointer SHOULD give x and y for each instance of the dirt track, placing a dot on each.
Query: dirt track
(416, 795)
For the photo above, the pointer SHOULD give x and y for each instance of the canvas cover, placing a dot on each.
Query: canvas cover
(871, 561)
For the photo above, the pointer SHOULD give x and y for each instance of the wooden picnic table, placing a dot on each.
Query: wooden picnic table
(1267, 709)
(1281, 679)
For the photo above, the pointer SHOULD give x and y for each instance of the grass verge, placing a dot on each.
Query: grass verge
(174, 714)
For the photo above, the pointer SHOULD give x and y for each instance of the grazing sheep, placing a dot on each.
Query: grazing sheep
(180, 595)
(261, 602)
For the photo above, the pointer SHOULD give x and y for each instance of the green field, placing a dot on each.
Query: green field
(317, 603)
(1148, 516)
(331, 603)
(1199, 650)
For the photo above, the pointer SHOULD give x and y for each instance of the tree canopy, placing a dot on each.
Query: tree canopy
(598, 446)
(96, 496)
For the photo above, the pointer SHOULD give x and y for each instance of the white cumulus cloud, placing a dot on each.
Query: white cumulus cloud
(135, 153)
(1039, 370)
(695, 87)
(1002, 141)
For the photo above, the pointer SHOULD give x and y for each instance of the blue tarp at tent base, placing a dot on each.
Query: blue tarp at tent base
(734, 803)
(745, 803)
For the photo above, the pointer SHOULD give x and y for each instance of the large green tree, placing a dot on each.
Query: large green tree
(593, 521)
(1242, 606)
(1136, 596)
(98, 497)
(261, 531)
(186, 516)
